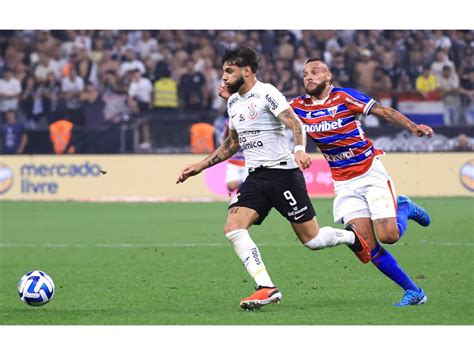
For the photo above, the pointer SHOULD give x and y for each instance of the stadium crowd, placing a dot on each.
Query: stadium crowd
(46, 75)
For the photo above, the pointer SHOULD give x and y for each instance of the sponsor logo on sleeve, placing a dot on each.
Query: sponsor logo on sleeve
(272, 102)
(353, 102)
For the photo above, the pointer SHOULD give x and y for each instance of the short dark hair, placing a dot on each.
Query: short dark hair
(315, 59)
(241, 56)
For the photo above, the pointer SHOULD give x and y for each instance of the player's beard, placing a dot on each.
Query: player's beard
(318, 90)
(233, 88)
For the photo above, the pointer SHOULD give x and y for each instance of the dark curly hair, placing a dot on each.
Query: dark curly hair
(241, 56)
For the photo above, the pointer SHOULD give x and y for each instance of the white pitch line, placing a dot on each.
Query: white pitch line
(128, 245)
(195, 245)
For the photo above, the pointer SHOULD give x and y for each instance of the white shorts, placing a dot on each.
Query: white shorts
(235, 173)
(369, 195)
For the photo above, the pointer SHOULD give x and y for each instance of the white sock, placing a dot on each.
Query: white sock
(330, 237)
(248, 252)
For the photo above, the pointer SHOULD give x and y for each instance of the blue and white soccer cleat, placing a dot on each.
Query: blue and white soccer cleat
(412, 298)
(415, 212)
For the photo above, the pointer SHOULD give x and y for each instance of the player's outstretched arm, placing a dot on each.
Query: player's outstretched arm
(400, 119)
(227, 149)
(291, 121)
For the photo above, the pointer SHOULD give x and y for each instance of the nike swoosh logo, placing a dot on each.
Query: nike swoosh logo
(297, 218)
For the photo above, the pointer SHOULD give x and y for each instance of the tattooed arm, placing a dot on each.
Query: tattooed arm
(291, 121)
(399, 118)
(227, 149)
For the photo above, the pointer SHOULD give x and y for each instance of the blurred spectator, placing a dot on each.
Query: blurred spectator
(286, 50)
(467, 97)
(68, 45)
(85, 67)
(98, 48)
(392, 69)
(26, 102)
(114, 96)
(51, 98)
(299, 61)
(10, 91)
(382, 83)
(341, 75)
(415, 66)
(84, 40)
(130, 63)
(426, 83)
(150, 69)
(288, 84)
(458, 47)
(463, 143)
(448, 84)
(440, 40)
(192, 88)
(166, 93)
(147, 45)
(108, 64)
(13, 134)
(213, 80)
(404, 84)
(364, 72)
(45, 66)
(441, 60)
(140, 94)
(162, 70)
(71, 90)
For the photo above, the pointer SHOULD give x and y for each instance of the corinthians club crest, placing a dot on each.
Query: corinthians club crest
(252, 112)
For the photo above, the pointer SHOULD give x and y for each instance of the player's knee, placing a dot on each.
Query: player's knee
(229, 227)
(232, 226)
(390, 237)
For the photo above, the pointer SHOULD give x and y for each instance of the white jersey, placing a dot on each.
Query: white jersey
(261, 134)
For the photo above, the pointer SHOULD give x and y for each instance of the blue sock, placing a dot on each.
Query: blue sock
(402, 217)
(385, 262)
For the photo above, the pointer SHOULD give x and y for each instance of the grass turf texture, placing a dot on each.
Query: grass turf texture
(170, 263)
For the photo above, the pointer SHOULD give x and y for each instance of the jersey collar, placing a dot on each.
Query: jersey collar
(247, 94)
(320, 102)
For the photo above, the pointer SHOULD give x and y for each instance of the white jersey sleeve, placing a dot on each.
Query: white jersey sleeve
(276, 102)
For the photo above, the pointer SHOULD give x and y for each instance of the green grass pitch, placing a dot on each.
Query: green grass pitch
(170, 264)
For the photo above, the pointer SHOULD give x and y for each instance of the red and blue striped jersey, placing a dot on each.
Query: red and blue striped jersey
(333, 125)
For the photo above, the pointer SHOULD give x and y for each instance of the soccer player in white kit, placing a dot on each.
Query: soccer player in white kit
(258, 115)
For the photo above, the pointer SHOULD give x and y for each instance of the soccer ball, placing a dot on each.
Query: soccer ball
(36, 288)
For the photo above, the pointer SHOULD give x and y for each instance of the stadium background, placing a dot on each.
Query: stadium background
(143, 147)
(179, 71)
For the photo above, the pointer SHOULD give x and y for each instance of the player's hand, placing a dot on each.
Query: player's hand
(188, 170)
(422, 130)
(302, 159)
(223, 92)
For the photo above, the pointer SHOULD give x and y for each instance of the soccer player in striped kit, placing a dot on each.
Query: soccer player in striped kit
(365, 193)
